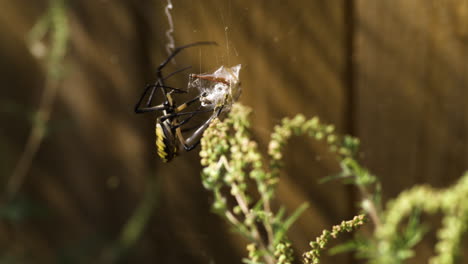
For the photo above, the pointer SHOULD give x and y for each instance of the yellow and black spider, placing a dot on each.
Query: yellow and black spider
(168, 126)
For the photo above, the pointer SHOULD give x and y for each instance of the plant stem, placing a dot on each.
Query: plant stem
(267, 222)
(371, 208)
(242, 201)
(59, 38)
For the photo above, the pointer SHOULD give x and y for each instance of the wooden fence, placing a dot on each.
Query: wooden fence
(392, 72)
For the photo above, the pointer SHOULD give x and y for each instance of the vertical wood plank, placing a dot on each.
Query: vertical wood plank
(294, 58)
(411, 91)
(412, 64)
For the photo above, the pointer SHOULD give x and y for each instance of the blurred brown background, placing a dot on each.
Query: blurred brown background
(392, 72)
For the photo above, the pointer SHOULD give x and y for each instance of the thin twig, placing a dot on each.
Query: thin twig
(240, 198)
(371, 208)
(267, 222)
(59, 29)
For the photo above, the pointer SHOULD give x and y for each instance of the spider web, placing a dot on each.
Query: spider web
(212, 92)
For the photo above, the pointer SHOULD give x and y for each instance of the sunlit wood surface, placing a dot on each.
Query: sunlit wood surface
(392, 72)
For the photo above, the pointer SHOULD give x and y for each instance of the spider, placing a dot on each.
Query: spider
(168, 127)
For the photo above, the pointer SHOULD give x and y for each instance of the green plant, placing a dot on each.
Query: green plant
(452, 202)
(232, 164)
(54, 21)
(313, 256)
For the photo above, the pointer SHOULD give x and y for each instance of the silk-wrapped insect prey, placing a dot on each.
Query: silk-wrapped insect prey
(218, 89)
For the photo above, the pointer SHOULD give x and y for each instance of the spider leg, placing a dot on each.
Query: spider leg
(177, 111)
(186, 104)
(181, 123)
(176, 72)
(175, 90)
(173, 54)
(160, 83)
(154, 86)
(194, 139)
(183, 130)
(179, 49)
(147, 107)
(192, 113)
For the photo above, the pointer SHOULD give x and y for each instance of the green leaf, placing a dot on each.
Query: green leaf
(362, 247)
(415, 230)
(332, 177)
(288, 222)
(242, 230)
(248, 261)
(280, 214)
(258, 205)
(295, 215)
(344, 248)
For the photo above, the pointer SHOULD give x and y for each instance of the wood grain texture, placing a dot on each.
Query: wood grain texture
(411, 64)
(292, 62)
(404, 92)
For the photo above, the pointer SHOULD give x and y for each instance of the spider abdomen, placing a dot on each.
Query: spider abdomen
(165, 142)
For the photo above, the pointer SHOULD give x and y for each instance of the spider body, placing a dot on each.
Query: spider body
(166, 141)
(168, 126)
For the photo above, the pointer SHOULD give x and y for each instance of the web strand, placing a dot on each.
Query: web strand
(170, 39)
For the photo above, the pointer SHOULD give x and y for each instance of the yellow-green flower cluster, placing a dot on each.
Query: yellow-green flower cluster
(254, 254)
(229, 155)
(284, 253)
(313, 256)
(345, 147)
(453, 202)
(231, 161)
